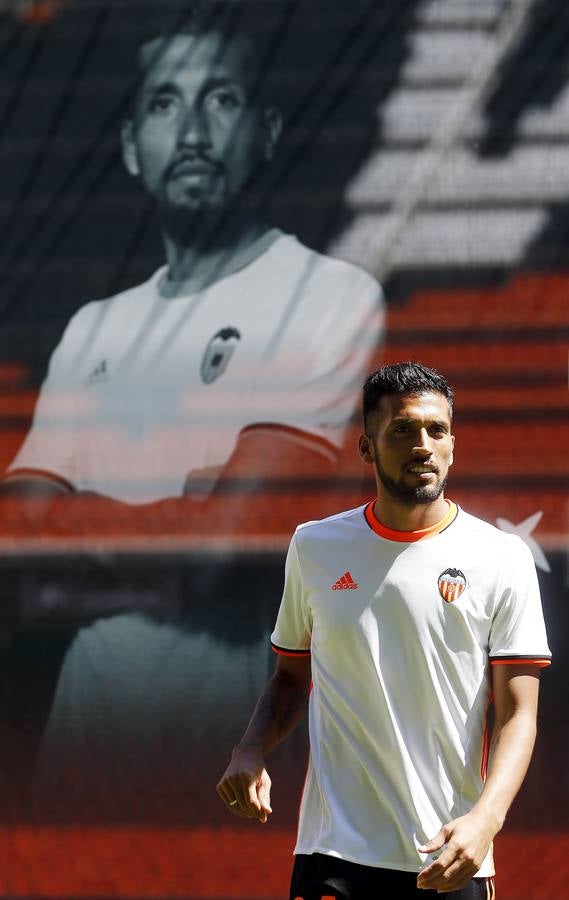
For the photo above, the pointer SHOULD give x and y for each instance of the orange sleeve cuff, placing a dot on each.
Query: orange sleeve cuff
(540, 661)
(284, 651)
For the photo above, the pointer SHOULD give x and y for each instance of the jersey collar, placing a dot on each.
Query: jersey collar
(409, 537)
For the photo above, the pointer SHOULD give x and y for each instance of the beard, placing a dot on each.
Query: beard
(200, 219)
(410, 496)
(191, 225)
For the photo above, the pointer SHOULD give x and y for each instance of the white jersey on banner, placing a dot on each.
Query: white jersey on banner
(146, 395)
(402, 628)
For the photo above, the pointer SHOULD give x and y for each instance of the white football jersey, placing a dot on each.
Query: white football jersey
(145, 392)
(401, 628)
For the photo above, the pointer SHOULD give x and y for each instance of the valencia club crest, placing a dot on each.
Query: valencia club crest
(218, 352)
(452, 583)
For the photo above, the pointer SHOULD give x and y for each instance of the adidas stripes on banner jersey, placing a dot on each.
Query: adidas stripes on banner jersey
(402, 628)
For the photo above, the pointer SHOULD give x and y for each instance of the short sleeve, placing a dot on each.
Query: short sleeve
(326, 347)
(518, 629)
(292, 632)
(50, 445)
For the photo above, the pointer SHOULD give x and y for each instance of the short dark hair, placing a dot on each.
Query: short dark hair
(405, 378)
(260, 22)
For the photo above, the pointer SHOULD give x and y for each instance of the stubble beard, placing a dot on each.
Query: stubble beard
(204, 219)
(411, 496)
(193, 221)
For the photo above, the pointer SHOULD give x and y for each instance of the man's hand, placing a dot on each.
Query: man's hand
(245, 788)
(467, 839)
(466, 842)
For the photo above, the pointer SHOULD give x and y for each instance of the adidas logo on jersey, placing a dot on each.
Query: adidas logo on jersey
(345, 583)
(99, 373)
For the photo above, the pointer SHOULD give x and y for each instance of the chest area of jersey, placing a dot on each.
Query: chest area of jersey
(412, 591)
(192, 357)
(179, 347)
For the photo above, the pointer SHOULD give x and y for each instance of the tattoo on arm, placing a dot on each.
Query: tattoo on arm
(280, 708)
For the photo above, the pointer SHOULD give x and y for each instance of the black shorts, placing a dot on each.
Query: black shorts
(320, 877)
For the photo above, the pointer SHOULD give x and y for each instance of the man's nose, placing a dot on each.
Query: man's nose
(194, 129)
(422, 445)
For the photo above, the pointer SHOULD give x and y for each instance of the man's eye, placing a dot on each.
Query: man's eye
(223, 100)
(161, 104)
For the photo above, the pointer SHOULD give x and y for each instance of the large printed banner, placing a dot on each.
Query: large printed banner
(218, 217)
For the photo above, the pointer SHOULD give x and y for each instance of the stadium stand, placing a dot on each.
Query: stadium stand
(465, 292)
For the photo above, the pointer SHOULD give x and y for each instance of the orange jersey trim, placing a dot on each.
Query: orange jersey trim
(486, 739)
(15, 475)
(283, 652)
(308, 439)
(520, 661)
(409, 537)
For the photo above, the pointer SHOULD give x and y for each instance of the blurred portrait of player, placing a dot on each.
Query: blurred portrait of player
(166, 410)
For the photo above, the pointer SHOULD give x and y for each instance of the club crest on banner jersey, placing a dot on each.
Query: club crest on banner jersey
(218, 352)
(452, 583)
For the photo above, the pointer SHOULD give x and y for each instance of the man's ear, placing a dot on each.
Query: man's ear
(273, 126)
(452, 451)
(129, 154)
(366, 449)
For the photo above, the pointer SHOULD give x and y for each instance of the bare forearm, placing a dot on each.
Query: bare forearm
(510, 754)
(245, 785)
(279, 710)
(469, 837)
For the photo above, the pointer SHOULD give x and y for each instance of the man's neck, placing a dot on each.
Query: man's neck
(195, 264)
(398, 516)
